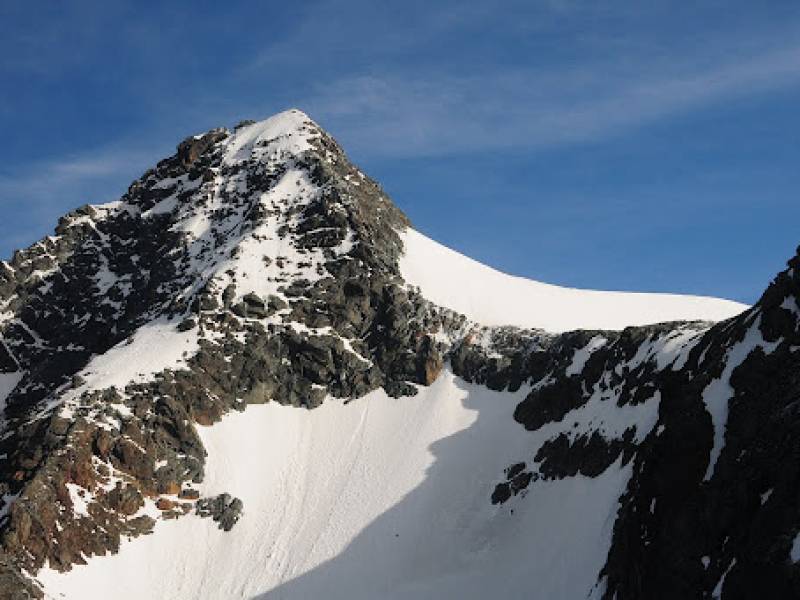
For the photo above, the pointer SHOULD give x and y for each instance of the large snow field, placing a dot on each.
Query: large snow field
(376, 498)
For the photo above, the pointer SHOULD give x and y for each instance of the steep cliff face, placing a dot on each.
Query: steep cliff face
(141, 342)
(705, 418)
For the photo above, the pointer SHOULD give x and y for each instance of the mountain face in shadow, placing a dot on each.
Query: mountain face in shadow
(251, 378)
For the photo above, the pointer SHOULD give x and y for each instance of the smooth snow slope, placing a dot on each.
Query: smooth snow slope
(377, 498)
(490, 297)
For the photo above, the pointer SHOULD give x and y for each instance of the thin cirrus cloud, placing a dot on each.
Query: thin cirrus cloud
(397, 115)
(48, 188)
(49, 179)
(440, 115)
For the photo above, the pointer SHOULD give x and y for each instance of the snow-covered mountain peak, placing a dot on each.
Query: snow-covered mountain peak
(285, 134)
(477, 428)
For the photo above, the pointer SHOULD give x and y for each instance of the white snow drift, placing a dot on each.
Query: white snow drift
(490, 297)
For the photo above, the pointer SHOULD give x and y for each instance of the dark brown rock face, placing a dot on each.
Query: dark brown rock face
(192, 148)
(430, 361)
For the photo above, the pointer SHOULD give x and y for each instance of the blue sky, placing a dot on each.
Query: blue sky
(632, 145)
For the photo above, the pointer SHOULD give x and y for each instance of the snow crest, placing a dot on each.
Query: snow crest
(492, 298)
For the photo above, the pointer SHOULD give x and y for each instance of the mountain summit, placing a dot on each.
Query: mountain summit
(250, 377)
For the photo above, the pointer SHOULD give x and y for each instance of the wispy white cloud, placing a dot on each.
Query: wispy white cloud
(49, 179)
(429, 82)
(51, 187)
(436, 113)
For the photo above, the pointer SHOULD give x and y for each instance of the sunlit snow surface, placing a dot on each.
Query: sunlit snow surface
(490, 297)
(377, 498)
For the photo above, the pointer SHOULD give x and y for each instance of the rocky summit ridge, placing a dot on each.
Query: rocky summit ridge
(252, 265)
(258, 264)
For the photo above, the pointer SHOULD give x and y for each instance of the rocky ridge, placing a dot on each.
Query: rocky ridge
(706, 417)
(262, 265)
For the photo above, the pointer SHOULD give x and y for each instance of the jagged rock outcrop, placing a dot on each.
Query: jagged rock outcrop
(223, 509)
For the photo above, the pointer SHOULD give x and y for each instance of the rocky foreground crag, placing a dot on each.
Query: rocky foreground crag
(259, 265)
(709, 420)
